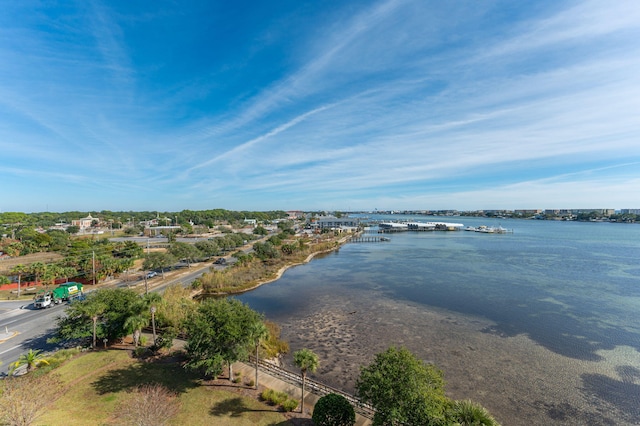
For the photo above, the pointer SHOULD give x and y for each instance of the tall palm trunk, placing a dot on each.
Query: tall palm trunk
(304, 376)
(95, 321)
(257, 366)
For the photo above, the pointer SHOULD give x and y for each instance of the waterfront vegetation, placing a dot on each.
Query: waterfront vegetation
(266, 265)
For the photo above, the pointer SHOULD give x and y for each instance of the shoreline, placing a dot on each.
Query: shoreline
(278, 273)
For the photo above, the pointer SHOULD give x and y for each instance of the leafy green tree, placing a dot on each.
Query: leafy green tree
(289, 249)
(208, 248)
(59, 240)
(4, 279)
(260, 230)
(305, 360)
(220, 331)
(265, 251)
(402, 389)
(32, 359)
(78, 321)
(158, 260)
(73, 229)
(184, 251)
(333, 410)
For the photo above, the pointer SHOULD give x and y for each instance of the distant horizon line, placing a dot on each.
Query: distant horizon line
(505, 210)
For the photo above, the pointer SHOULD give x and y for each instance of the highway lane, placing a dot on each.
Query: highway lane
(25, 329)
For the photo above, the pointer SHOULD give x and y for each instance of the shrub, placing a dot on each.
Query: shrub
(333, 410)
(140, 352)
(470, 413)
(290, 405)
(274, 397)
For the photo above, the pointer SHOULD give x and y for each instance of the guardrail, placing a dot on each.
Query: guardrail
(313, 386)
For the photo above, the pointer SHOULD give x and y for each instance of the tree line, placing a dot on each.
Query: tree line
(198, 217)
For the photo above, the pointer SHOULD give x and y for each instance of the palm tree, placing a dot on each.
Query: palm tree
(37, 269)
(31, 359)
(19, 270)
(51, 272)
(141, 315)
(93, 308)
(137, 323)
(305, 360)
(258, 331)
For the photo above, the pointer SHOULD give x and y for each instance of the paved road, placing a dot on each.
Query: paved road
(25, 328)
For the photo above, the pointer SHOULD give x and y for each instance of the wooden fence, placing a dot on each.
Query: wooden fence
(313, 386)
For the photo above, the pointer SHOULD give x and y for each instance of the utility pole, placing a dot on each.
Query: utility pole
(94, 267)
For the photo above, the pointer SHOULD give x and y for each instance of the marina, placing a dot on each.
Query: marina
(388, 227)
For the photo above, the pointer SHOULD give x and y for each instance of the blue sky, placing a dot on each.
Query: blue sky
(319, 105)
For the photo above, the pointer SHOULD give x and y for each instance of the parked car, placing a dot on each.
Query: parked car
(151, 274)
(220, 261)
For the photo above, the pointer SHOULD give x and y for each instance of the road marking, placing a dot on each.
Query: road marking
(10, 349)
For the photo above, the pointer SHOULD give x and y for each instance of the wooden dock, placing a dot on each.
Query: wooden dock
(368, 239)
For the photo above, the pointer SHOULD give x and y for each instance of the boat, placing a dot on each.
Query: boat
(484, 229)
(493, 229)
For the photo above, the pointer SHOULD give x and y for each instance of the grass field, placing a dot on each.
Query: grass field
(7, 264)
(94, 384)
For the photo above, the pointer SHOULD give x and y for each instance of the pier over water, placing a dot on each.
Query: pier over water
(367, 239)
(386, 227)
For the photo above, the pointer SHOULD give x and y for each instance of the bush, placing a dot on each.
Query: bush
(333, 410)
(165, 341)
(470, 413)
(140, 351)
(274, 397)
(290, 405)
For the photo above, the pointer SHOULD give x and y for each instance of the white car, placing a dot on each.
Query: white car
(151, 274)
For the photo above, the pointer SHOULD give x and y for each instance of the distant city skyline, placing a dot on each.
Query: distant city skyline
(288, 105)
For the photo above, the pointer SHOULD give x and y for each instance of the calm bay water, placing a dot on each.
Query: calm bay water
(541, 326)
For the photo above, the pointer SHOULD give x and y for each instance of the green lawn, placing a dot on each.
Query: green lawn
(95, 383)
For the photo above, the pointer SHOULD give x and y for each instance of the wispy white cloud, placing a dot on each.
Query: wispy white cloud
(393, 96)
